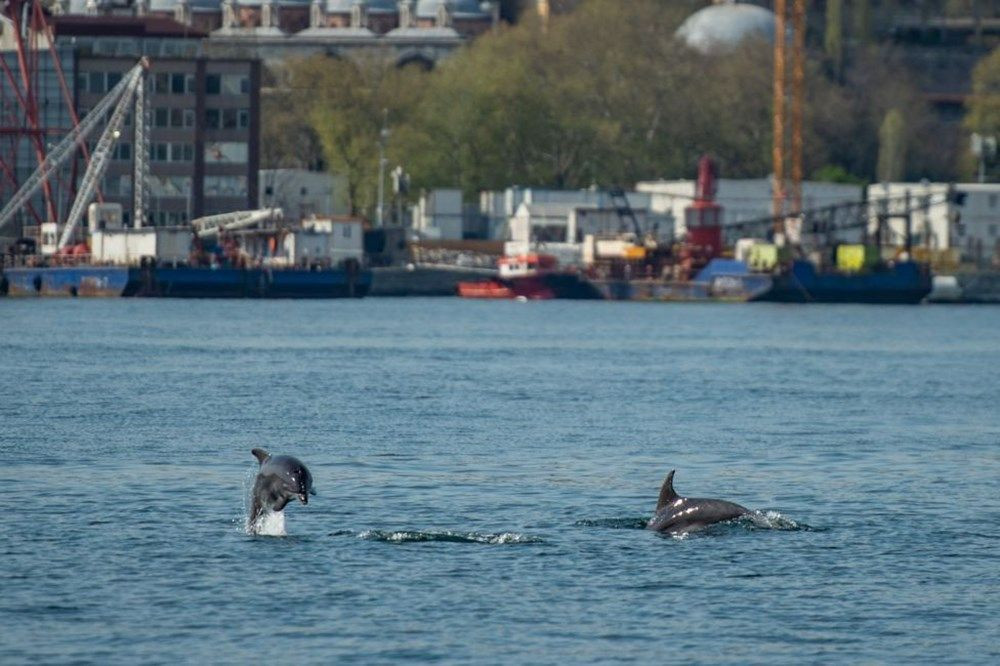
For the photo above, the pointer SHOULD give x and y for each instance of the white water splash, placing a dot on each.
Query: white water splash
(771, 520)
(269, 523)
(416, 536)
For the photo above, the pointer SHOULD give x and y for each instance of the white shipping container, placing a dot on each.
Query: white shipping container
(129, 246)
(331, 241)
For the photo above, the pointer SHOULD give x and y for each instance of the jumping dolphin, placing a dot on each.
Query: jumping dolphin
(279, 480)
(677, 515)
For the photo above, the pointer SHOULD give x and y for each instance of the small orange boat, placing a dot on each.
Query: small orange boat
(530, 276)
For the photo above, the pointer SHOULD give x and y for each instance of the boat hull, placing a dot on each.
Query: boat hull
(535, 287)
(186, 282)
(424, 280)
(904, 283)
(106, 281)
(720, 288)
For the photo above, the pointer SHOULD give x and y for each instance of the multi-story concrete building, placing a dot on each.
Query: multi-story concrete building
(203, 113)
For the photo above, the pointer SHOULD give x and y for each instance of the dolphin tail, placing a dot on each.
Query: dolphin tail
(261, 455)
(667, 493)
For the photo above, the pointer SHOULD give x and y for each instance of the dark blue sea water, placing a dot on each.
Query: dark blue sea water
(483, 472)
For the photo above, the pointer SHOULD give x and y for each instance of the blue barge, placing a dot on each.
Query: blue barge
(186, 282)
(905, 282)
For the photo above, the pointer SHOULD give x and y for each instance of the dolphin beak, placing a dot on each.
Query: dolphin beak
(304, 498)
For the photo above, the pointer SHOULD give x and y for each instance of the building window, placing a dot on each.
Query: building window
(226, 152)
(122, 151)
(117, 185)
(227, 118)
(225, 186)
(113, 79)
(993, 230)
(177, 187)
(993, 201)
(96, 83)
(177, 84)
(181, 117)
(227, 84)
(161, 117)
(161, 83)
(181, 152)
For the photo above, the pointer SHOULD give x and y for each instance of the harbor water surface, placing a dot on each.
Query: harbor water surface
(483, 472)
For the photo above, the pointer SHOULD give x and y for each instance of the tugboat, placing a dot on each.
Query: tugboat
(531, 276)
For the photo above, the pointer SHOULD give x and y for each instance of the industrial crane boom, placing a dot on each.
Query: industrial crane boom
(211, 225)
(116, 101)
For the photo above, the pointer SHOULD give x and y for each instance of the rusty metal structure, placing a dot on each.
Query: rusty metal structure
(778, 138)
(787, 189)
(798, 99)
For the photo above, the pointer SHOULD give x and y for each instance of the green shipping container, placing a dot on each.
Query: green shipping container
(763, 257)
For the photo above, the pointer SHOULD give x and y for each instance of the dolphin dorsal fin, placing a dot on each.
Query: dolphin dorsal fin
(667, 493)
(261, 455)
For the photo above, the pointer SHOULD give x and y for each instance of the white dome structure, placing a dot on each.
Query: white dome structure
(725, 25)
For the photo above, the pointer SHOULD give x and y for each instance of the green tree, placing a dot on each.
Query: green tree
(983, 106)
(603, 97)
(863, 21)
(892, 147)
(347, 102)
(287, 139)
(833, 38)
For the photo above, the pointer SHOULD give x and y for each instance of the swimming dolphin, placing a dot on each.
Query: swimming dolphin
(677, 515)
(279, 480)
